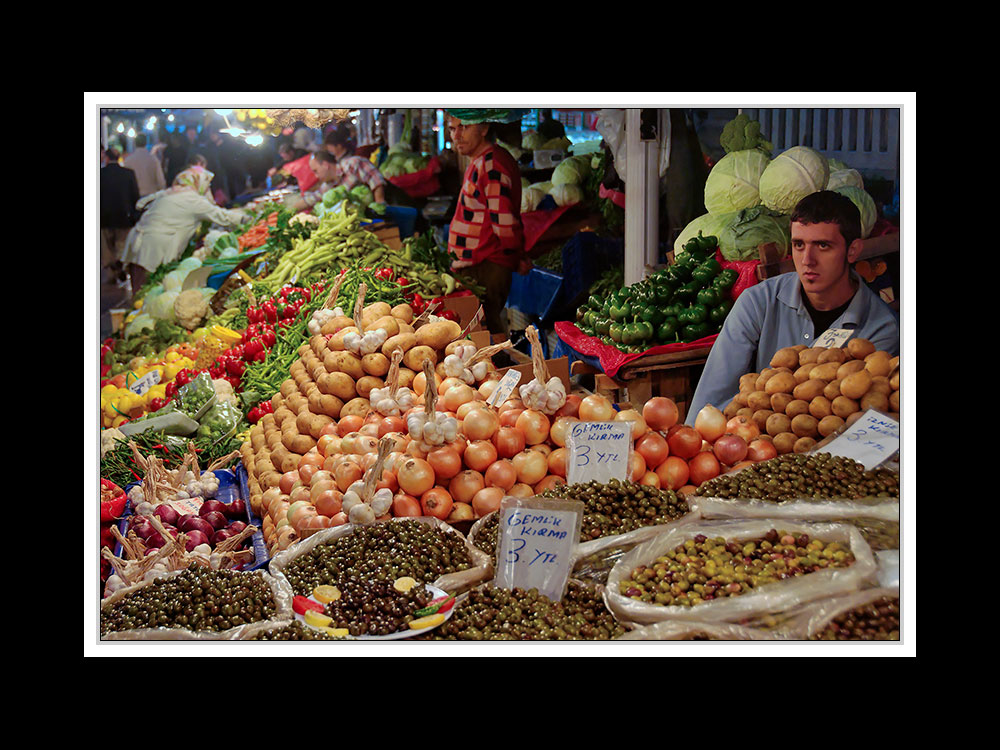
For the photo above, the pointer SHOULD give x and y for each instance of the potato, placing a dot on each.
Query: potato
(337, 384)
(287, 387)
(335, 325)
(759, 400)
(894, 400)
(786, 357)
(317, 424)
(405, 327)
(439, 334)
(809, 390)
(346, 362)
(336, 342)
(763, 377)
(318, 344)
(366, 384)
(810, 355)
(784, 442)
(377, 310)
(387, 323)
(877, 363)
(850, 367)
(415, 357)
(856, 385)
(843, 406)
(894, 363)
(880, 383)
(782, 382)
(777, 424)
(894, 381)
(804, 425)
(801, 374)
(746, 412)
(300, 444)
(296, 368)
(376, 364)
(829, 425)
(402, 312)
(803, 445)
(402, 341)
(325, 403)
(742, 398)
(825, 372)
(282, 415)
(874, 400)
(833, 355)
(748, 382)
(832, 390)
(860, 348)
(780, 400)
(820, 407)
(356, 407)
(731, 408)
(406, 376)
(760, 418)
(796, 407)
(297, 403)
(852, 418)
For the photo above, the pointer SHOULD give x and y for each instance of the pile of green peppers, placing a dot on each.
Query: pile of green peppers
(684, 302)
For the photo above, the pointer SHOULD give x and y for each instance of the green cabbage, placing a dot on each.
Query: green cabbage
(567, 194)
(545, 187)
(866, 206)
(140, 322)
(791, 176)
(162, 307)
(732, 183)
(571, 171)
(845, 177)
(751, 228)
(557, 144)
(710, 225)
(531, 140)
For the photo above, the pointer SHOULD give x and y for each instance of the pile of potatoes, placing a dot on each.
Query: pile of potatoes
(809, 393)
(328, 382)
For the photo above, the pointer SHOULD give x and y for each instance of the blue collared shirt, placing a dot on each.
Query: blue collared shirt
(770, 316)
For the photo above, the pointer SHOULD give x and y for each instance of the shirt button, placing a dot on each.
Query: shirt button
(806, 336)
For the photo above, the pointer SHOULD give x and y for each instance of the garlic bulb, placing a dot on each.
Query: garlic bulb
(456, 364)
(436, 430)
(361, 513)
(388, 406)
(321, 317)
(381, 502)
(370, 343)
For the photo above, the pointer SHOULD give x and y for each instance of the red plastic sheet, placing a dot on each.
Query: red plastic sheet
(299, 169)
(537, 223)
(421, 183)
(615, 196)
(612, 359)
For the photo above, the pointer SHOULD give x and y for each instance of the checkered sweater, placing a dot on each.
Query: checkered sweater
(487, 220)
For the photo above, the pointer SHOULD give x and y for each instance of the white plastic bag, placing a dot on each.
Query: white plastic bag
(813, 619)
(775, 597)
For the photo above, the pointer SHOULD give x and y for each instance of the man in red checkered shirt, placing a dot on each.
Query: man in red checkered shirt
(486, 236)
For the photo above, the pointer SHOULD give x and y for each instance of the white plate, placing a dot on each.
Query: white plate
(408, 633)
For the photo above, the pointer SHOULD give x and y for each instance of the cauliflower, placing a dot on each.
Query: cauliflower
(108, 438)
(224, 392)
(191, 308)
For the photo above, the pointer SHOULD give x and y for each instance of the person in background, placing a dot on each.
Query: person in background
(170, 219)
(485, 235)
(304, 138)
(548, 126)
(324, 166)
(148, 172)
(175, 156)
(795, 308)
(353, 170)
(119, 194)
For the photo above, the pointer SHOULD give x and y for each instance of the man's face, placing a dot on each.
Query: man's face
(821, 256)
(323, 170)
(466, 138)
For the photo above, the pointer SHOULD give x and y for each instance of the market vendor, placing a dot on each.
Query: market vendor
(330, 174)
(796, 308)
(486, 236)
(169, 221)
(353, 170)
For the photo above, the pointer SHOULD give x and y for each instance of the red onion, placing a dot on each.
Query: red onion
(143, 528)
(195, 538)
(236, 526)
(221, 535)
(212, 506)
(218, 520)
(166, 514)
(197, 523)
(237, 508)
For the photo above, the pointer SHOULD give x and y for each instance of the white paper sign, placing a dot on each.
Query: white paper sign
(833, 338)
(146, 382)
(506, 386)
(598, 451)
(535, 544)
(870, 441)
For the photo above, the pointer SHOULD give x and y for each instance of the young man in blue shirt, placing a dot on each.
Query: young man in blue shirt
(796, 308)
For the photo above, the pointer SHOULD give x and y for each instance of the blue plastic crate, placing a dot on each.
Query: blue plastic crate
(586, 256)
(404, 217)
(261, 557)
(535, 294)
(229, 489)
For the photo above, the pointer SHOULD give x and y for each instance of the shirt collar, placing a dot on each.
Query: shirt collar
(790, 293)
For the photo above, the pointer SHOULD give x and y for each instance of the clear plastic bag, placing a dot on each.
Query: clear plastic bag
(813, 619)
(775, 597)
(804, 509)
(681, 630)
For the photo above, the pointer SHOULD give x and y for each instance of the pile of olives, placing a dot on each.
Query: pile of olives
(381, 552)
(294, 631)
(879, 534)
(820, 476)
(619, 507)
(495, 614)
(375, 607)
(703, 569)
(196, 599)
(876, 621)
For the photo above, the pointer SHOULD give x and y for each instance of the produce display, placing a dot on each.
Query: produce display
(875, 621)
(703, 569)
(688, 300)
(809, 393)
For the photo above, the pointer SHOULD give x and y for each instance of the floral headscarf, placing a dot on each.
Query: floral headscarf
(196, 178)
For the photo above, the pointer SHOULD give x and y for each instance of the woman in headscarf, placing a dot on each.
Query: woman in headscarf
(169, 221)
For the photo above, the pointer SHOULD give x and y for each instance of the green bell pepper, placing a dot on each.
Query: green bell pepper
(725, 280)
(718, 313)
(680, 272)
(621, 310)
(687, 293)
(667, 331)
(694, 331)
(650, 314)
(615, 331)
(693, 314)
(705, 272)
(709, 297)
(603, 326)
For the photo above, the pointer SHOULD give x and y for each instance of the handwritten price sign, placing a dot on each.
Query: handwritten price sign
(598, 451)
(870, 441)
(535, 546)
(833, 338)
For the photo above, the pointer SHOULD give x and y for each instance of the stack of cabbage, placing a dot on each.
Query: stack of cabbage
(402, 161)
(158, 304)
(749, 196)
(566, 186)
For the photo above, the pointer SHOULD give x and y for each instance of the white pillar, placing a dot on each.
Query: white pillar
(642, 192)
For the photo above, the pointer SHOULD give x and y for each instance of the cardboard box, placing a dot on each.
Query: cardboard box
(388, 235)
(483, 338)
(558, 368)
(465, 308)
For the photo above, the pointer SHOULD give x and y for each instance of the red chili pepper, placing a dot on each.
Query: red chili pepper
(402, 281)
(385, 274)
(302, 604)
(155, 404)
(216, 371)
(252, 331)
